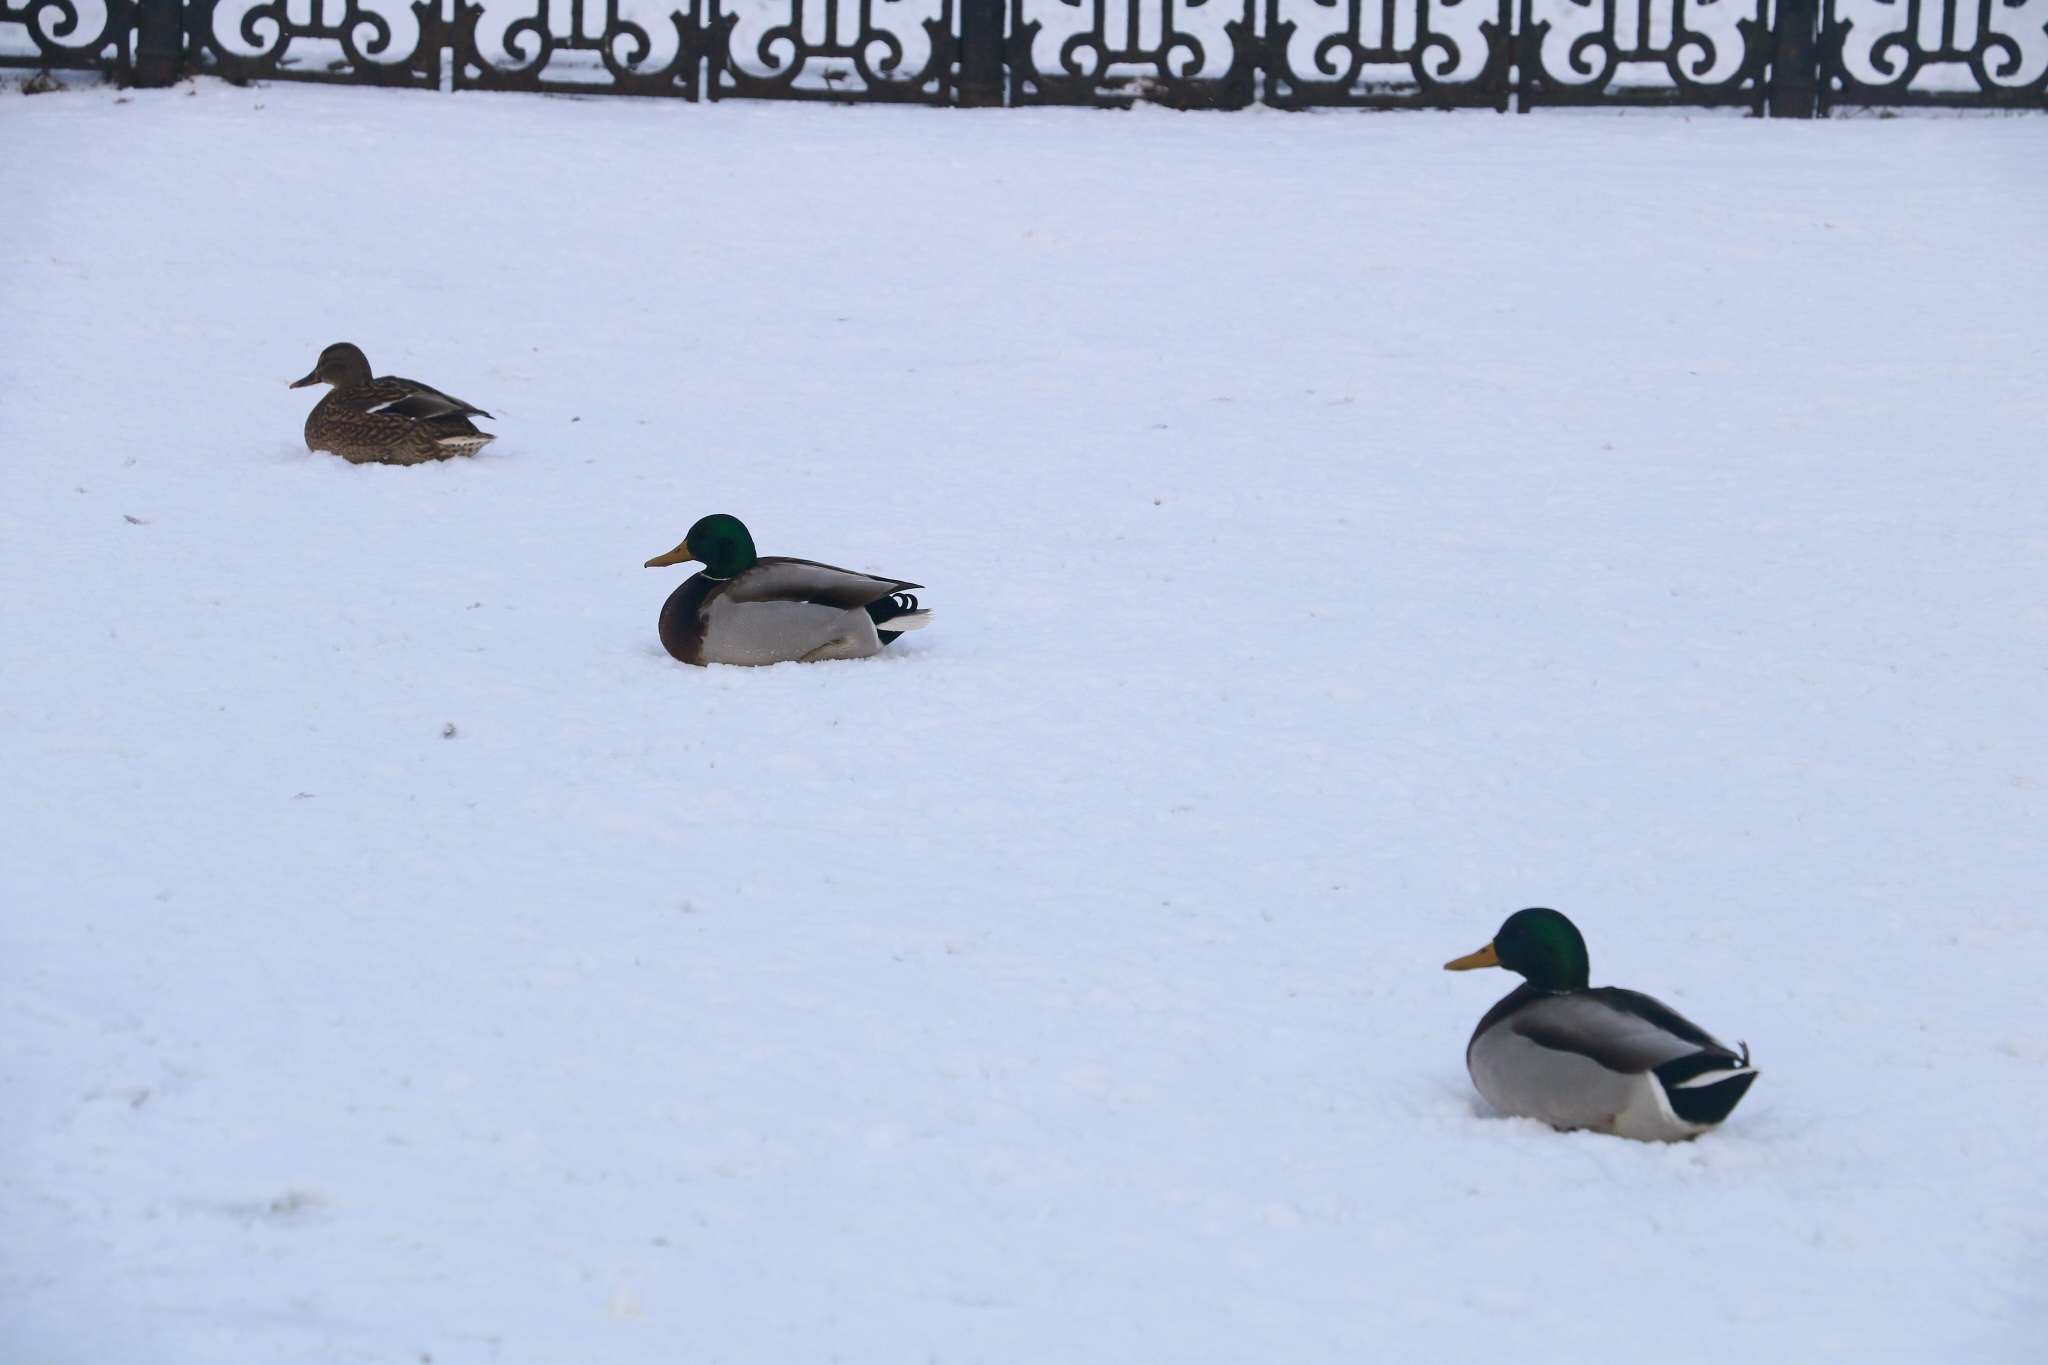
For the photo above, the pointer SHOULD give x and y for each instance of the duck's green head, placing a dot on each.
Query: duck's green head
(720, 541)
(1541, 945)
(341, 365)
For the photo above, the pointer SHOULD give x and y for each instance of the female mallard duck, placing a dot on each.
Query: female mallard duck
(746, 609)
(388, 420)
(1602, 1058)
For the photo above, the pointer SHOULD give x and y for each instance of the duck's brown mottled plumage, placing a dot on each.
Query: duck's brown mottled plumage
(385, 420)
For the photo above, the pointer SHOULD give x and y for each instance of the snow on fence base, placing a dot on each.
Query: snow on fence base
(1787, 58)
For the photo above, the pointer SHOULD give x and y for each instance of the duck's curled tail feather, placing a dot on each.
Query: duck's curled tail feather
(897, 613)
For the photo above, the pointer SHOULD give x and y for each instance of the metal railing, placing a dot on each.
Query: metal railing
(1786, 58)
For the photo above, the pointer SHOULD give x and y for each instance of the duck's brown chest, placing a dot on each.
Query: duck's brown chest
(343, 428)
(682, 619)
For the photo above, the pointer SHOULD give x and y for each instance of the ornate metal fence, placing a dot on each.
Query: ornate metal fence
(1794, 58)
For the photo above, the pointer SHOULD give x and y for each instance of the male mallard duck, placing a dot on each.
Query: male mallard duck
(1584, 1057)
(388, 420)
(746, 609)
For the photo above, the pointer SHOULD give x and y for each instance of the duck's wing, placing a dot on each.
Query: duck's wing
(776, 579)
(1610, 1059)
(410, 398)
(1623, 1031)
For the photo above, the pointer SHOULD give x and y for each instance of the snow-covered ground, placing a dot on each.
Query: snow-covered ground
(1342, 531)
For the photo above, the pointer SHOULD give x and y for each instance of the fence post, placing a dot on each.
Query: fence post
(159, 41)
(1795, 70)
(981, 53)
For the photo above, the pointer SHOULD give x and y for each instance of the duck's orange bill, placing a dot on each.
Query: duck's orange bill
(1485, 957)
(679, 555)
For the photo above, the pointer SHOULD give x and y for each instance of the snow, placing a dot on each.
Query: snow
(1342, 531)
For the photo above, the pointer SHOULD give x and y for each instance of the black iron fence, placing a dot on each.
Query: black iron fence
(1788, 58)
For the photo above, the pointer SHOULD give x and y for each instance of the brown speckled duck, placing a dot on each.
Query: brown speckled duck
(385, 421)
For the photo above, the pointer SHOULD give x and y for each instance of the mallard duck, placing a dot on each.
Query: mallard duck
(747, 609)
(388, 420)
(1593, 1057)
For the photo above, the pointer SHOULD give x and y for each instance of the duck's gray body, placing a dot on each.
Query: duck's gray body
(1608, 1059)
(782, 610)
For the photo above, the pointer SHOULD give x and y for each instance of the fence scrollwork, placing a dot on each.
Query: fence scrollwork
(551, 48)
(1987, 53)
(340, 42)
(1793, 58)
(1439, 54)
(1701, 53)
(61, 35)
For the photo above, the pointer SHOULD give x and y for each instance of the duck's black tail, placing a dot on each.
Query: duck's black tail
(1706, 1087)
(897, 613)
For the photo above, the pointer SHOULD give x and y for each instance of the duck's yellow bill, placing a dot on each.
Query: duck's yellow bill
(1485, 957)
(681, 554)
